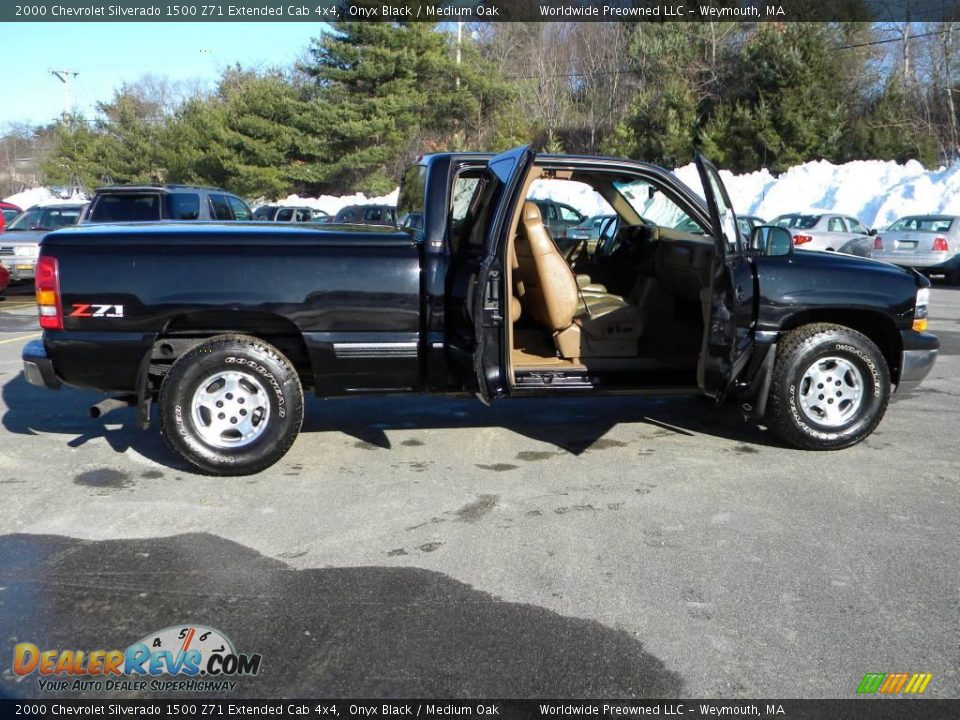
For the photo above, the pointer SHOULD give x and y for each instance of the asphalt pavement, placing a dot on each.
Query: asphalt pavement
(413, 547)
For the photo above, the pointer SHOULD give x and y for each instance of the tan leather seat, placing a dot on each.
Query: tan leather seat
(551, 295)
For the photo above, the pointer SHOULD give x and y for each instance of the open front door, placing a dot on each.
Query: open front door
(478, 294)
(728, 336)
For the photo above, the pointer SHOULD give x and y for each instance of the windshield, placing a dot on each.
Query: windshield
(655, 208)
(922, 224)
(802, 222)
(45, 218)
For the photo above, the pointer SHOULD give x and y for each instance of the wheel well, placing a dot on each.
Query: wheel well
(876, 326)
(185, 331)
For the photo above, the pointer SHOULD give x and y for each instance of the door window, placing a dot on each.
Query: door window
(303, 215)
(835, 224)
(284, 214)
(856, 226)
(568, 214)
(219, 209)
(184, 206)
(239, 208)
(655, 208)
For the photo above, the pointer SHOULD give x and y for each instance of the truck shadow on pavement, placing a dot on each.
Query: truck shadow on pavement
(331, 632)
(31, 410)
(573, 424)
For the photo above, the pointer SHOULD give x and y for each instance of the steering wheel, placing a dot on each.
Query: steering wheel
(609, 240)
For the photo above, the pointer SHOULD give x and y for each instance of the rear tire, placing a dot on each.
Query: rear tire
(830, 387)
(232, 405)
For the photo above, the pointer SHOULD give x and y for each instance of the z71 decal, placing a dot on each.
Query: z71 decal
(85, 310)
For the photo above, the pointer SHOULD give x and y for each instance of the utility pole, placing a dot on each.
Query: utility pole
(65, 76)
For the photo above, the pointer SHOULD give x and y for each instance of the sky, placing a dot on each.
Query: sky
(108, 54)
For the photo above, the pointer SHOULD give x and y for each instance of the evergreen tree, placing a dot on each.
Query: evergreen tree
(383, 88)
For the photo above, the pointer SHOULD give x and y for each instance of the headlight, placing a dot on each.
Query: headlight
(921, 309)
(26, 250)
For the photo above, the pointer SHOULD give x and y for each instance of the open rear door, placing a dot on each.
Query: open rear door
(727, 336)
(478, 286)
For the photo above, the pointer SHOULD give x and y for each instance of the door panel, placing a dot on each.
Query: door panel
(728, 336)
(477, 295)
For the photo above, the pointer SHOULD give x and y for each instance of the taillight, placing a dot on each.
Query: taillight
(940, 244)
(48, 294)
(801, 239)
(878, 243)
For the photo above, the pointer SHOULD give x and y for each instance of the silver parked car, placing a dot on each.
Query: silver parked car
(928, 243)
(827, 231)
(20, 244)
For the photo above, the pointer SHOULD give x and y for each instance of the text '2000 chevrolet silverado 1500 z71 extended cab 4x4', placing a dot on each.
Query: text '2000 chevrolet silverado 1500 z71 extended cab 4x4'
(225, 326)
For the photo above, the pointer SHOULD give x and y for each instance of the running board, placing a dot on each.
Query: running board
(535, 379)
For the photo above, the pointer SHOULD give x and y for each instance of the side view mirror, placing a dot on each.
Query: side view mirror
(871, 232)
(771, 240)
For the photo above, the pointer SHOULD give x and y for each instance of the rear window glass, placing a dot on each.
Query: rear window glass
(922, 224)
(803, 222)
(374, 214)
(126, 207)
(263, 214)
(284, 214)
(184, 206)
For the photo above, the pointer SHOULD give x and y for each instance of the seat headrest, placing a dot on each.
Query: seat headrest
(531, 212)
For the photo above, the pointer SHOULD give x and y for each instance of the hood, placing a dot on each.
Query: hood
(22, 237)
(854, 263)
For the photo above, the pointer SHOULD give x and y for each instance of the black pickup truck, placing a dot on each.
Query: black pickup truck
(226, 325)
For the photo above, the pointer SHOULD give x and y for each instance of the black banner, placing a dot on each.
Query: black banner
(859, 709)
(480, 10)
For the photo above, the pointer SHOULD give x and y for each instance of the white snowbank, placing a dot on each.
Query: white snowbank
(875, 191)
(332, 204)
(42, 196)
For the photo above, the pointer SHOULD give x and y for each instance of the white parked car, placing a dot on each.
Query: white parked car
(827, 231)
(928, 243)
(20, 244)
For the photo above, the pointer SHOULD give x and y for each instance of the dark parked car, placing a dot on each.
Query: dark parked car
(479, 302)
(151, 203)
(559, 218)
(366, 215)
(20, 244)
(747, 223)
(286, 213)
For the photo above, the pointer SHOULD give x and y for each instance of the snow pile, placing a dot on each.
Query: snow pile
(576, 194)
(43, 196)
(332, 204)
(875, 191)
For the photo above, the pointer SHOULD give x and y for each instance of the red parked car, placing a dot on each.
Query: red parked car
(8, 211)
(4, 278)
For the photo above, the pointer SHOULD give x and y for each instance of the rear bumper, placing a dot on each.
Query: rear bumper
(927, 262)
(919, 355)
(38, 367)
(20, 269)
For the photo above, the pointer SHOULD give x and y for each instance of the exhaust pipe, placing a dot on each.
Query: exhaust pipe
(109, 404)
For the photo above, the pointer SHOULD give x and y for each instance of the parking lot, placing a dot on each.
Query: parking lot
(428, 547)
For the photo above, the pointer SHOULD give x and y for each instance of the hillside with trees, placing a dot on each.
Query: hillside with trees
(367, 98)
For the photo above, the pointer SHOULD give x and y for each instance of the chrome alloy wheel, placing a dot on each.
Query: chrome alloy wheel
(230, 409)
(831, 391)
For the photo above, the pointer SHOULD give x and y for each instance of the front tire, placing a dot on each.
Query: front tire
(830, 387)
(232, 405)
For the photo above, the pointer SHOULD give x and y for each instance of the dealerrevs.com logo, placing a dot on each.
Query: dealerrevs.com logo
(184, 658)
